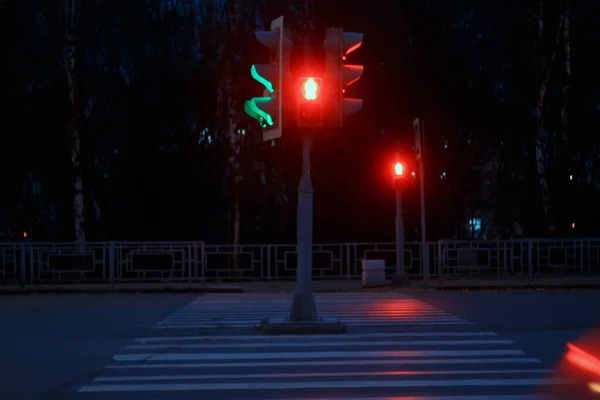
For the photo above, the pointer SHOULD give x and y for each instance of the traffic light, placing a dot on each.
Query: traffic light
(399, 169)
(399, 174)
(310, 88)
(338, 44)
(268, 109)
(309, 102)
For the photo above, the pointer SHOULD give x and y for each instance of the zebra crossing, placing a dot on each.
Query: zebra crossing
(429, 361)
(355, 310)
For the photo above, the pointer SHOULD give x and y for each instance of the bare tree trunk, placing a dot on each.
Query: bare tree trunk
(69, 65)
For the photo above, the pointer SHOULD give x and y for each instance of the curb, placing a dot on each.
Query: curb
(119, 290)
(439, 288)
(416, 287)
(514, 287)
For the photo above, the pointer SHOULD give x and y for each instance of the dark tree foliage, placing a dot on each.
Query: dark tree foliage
(160, 164)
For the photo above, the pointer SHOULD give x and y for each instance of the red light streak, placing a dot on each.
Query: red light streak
(353, 48)
(582, 359)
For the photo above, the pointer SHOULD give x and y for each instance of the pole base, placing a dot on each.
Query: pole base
(304, 307)
(398, 280)
(283, 326)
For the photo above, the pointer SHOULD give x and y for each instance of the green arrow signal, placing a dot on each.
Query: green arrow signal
(254, 73)
(252, 109)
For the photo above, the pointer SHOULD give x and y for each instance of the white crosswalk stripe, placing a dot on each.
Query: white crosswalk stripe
(427, 363)
(356, 309)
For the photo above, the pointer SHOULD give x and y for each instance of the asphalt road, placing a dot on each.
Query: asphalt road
(49, 343)
(151, 347)
(540, 322)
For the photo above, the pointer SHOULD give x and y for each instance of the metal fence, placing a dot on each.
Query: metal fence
(114, 262)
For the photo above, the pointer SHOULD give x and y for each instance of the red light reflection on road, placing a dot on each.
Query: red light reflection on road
(400, 308)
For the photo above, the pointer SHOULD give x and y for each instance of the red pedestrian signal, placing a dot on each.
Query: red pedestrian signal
(309, 104)
(399, 174)
(311, 89)
(399, 169)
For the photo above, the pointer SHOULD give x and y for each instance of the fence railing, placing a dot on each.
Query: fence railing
(115, 262)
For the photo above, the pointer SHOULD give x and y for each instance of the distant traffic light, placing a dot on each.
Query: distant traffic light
(399, 169)
(268, 109)
(338, 44)
(400, 173)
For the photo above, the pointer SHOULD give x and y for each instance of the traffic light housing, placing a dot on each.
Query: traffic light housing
(338, 44)
(268, 109)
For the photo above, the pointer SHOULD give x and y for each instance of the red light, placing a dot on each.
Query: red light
(310, 89)
(399, 169)
(25, 235)
(344, 58)
(582, 359)
(353, 48)
(573, 225)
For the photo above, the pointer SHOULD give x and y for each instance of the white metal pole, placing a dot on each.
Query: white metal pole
(424, 246)
(303, 303)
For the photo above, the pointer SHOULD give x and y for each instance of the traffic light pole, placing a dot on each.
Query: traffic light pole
(303, 303)
(400, 268)
(424, 245)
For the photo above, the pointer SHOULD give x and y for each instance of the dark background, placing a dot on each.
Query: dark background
(157, 81)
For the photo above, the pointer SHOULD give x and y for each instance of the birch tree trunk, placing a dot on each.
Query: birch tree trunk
(74, 125)
(231, 133)
(539, 150)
